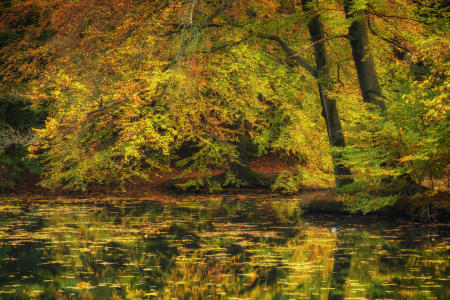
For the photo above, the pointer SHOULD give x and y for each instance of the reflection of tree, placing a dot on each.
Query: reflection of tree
(189, 249)
(288, 211)
(340, 273)
(395, 263)
(206, 249)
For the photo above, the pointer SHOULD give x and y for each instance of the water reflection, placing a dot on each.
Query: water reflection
(212, 247)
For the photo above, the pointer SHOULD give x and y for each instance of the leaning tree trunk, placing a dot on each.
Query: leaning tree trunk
(329, 106)
(364, 62)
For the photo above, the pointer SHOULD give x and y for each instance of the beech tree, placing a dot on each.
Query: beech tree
(329, 105)
(362, 56)
(124, 108)
(129, 84)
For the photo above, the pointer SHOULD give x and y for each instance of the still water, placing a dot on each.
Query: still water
(212, 247)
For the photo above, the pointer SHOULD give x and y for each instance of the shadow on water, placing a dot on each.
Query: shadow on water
(188, 246)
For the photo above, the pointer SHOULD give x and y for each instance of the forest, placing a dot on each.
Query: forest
(355, 93)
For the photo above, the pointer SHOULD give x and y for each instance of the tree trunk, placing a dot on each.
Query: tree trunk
(329, 106)
(364, 62)
(240, 170)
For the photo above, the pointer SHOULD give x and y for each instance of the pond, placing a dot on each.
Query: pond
(237, 246)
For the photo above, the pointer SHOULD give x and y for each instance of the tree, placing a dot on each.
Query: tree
(364, 62)
(397, 152)
(329, 108)
(123, 109)
(128, 85)
(17, 67)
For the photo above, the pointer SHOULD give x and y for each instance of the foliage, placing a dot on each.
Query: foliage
(16, 121)
(409, 145)
(19, 62)
(123, 110)
(13, 162)
(288, 182)
(124, 86)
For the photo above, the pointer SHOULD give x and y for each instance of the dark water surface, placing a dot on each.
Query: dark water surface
(212, 247)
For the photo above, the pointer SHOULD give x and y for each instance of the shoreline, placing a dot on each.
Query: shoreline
(320, 201)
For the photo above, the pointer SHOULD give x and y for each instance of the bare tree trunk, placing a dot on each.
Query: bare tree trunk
(329, 107)
(364, 62)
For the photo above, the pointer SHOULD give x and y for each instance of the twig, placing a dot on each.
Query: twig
(10, 137)
(385, 39)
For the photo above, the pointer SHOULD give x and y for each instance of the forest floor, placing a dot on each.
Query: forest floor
(268, 166)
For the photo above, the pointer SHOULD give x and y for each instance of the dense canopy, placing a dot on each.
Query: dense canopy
(357, 91)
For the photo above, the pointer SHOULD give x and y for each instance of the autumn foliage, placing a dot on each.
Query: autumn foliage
(127, 85)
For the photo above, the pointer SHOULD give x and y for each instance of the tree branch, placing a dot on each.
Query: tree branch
(215, 49)
(104, 107)
(316, 42)
(192, 25)
(375, 13)
(130, 31)
(10, 137)
(386, 39)
(180, 27)
(291, 53)
(201, 27)
(169, 66)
